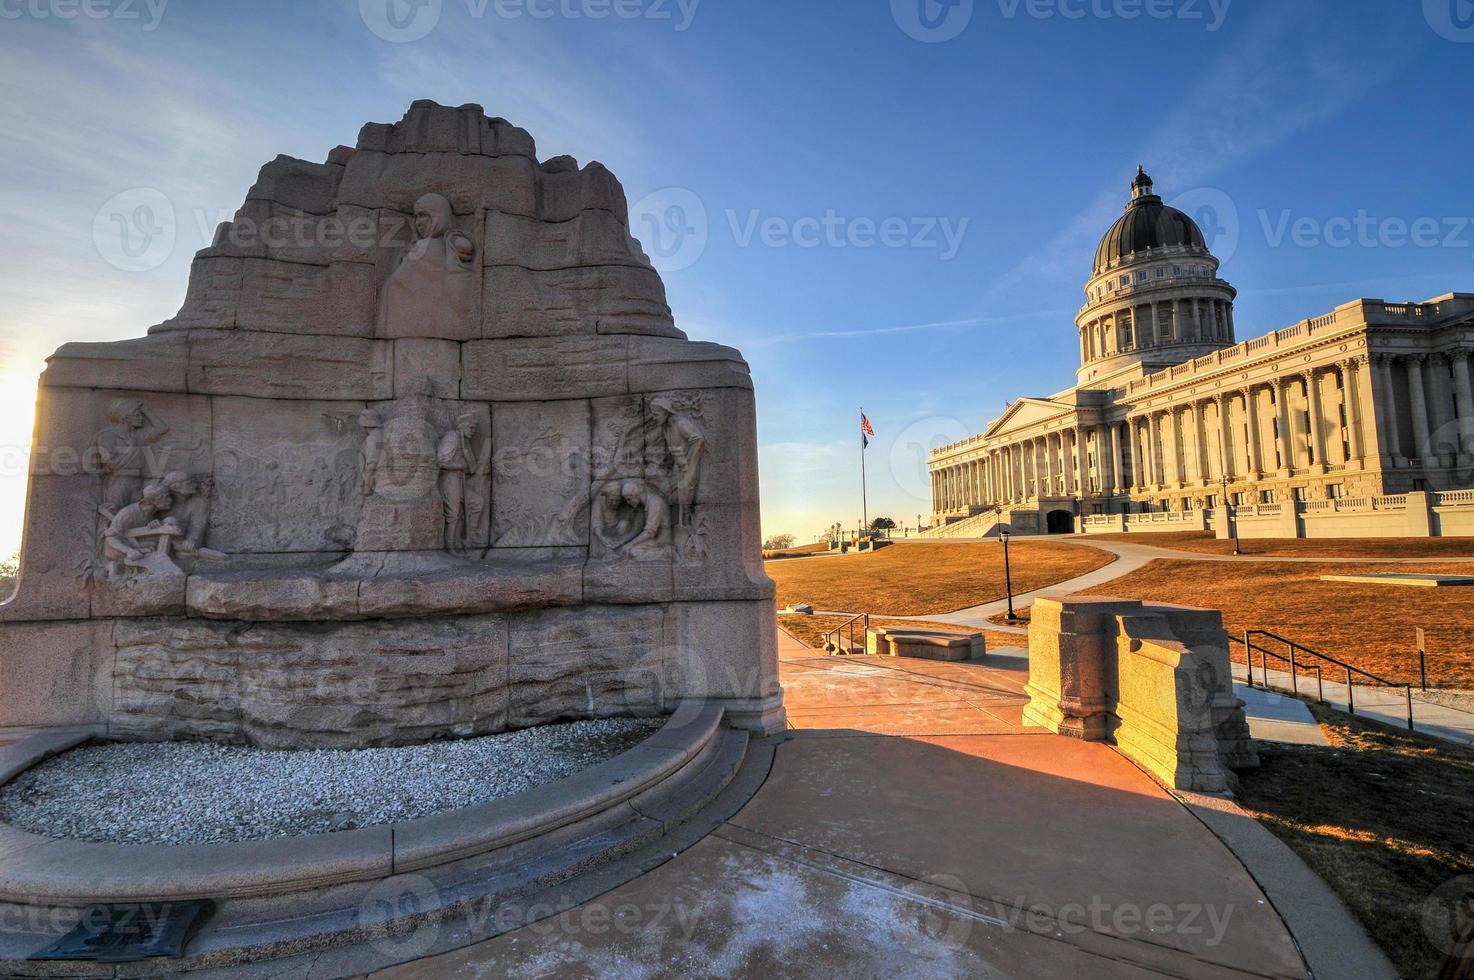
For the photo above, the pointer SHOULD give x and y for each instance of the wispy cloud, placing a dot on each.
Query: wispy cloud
(773, 340)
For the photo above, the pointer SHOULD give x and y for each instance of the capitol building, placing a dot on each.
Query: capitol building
(1357, 422)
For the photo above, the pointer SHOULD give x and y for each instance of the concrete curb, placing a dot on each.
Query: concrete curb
(1331, 941)
(46, 871)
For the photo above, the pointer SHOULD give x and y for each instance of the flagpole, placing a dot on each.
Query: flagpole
(864, 494)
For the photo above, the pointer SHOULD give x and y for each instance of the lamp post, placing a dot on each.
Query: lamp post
(1233, 524)
(1003, 535)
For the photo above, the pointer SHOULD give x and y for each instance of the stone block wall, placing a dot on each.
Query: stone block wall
(1155, 680)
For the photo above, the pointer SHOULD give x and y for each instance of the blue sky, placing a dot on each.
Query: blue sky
(878, 214)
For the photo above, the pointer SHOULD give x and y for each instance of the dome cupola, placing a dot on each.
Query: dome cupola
(1154, 297)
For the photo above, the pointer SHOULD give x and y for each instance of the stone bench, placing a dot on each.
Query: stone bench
(924, 644)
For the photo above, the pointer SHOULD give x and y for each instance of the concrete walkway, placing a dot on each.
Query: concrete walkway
(912, 826)
(1385, 704)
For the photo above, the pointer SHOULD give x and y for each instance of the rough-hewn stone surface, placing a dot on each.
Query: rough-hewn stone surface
(1154, 679)
(426, 383)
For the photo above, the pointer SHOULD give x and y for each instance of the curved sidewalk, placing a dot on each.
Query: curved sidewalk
(912, 826)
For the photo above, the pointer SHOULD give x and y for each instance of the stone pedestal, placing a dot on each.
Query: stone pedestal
(1156, 680)
(401, 525)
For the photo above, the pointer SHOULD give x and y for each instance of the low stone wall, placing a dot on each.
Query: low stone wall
(392, 682)
(1156, 680)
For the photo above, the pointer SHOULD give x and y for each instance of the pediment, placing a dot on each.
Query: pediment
(1026, 413)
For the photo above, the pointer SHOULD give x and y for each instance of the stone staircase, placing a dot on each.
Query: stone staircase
(977, 526)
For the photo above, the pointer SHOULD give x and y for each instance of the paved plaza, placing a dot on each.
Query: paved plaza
(911, 825)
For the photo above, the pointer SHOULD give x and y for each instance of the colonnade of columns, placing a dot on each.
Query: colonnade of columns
(1158, 322)
(1054, 464)
(1420, 398)
(1249, 438)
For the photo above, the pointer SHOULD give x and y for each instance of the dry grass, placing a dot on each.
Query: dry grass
(1369, 626)
(1204, 543)
(928, 577)
(810, 630)
(1383, 815)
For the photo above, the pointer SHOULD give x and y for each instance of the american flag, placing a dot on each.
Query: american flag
(866, 430)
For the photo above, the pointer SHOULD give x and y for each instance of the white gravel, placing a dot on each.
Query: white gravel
(201, 793)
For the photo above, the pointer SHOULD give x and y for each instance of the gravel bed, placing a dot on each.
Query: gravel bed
(201, 793)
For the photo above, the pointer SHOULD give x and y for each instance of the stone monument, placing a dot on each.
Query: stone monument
(423, 455)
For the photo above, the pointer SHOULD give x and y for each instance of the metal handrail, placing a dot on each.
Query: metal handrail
(1301, 648)
(1265, 653)
(849, 624)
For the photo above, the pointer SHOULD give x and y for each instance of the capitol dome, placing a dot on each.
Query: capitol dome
(1153, 298)
(1147, 224)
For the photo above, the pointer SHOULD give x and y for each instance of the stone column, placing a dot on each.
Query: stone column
(1385, 408)
(1464, 397)
(1082, 462)
(1050, 470)
(1118, 462)
(1283, 441)
(1103, 457)
(1351, 395)
(1200, 438)
(1251, 418)
(1228, 315)
(1438, 388)
(1225, 437)
(1419, 404)
(1154, 444)
(1180, 452)
(1317, 421)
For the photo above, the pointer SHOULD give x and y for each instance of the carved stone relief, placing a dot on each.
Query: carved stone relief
(138, 538)
(433, 290)
(631, 520)
(122, 458)
(541, 476)
(463, 474)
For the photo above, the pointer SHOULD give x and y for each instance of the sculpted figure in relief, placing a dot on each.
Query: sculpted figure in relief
(632, 520)
(373, 441)
(404, 461)
(124, 543)
(685, 438)
(189, 508)
(120, 452)
(647, 501)
(458, 462)
(434, 284)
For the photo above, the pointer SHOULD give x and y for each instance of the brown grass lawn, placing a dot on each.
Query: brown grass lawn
(810, 630)
(1383, 815)
(928, 577)
(1369, 626)
(1204, 543)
